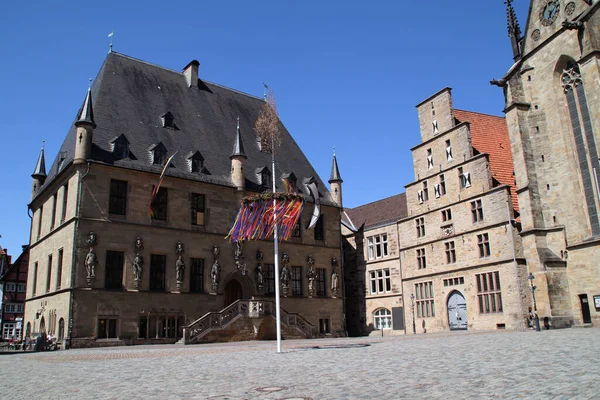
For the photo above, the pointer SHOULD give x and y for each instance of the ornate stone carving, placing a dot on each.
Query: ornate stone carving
(334, 283)
(139, 244)
(260, 280)
(92, 239)
(90, 265)
(310, 260)
(215, 270)
(179, 248)
(570, 78)
(334, 261)
(138, 265)
(286, 274)
(239, 256)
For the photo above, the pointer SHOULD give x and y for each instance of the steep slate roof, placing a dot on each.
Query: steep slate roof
(130, 96)
(379, 212)
(490, 135)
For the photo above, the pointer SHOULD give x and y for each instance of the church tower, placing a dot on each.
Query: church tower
(39, 175)
(85, 129)
(335, 180)
(554, 128)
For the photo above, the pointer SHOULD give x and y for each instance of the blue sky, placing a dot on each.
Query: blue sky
(345, 73)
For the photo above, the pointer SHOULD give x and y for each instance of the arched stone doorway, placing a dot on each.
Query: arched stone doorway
(457, 312)
(232, 292)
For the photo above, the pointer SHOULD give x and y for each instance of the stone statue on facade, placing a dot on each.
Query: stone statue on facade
(216, 252)
(311, 275)
(260, 280)
(179, 269)
(138, 264)
(286, 274)
(215, 276)
(334, 283)
(179, 248)
(239, 256)
(90, 264)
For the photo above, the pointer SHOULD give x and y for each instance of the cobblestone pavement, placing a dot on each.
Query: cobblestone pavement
(560, 364)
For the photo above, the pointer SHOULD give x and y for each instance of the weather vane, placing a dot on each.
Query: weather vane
(266, 88)
(110, 35)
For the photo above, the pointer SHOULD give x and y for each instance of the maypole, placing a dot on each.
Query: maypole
(276, 253)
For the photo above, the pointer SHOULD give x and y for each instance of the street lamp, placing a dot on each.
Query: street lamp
(536, 316)
(412, 305)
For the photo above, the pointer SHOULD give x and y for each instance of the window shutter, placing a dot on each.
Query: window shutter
(435, 127)
(420, 196)
(436, 189)
(449, 153)
(429, 161)
(467, 176)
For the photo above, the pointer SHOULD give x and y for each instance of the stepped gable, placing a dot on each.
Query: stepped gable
(489, 135)
(379, 212)
(130, 97)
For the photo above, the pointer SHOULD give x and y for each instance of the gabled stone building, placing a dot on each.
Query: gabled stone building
(117, 274)
(14, 283)
(461, 256)
(552, 92)
(446, 254)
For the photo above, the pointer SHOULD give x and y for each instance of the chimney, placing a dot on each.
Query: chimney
(191, 73)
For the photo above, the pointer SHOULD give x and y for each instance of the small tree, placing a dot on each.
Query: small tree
(267, 125)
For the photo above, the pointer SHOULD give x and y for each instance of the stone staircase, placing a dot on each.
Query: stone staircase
(246, 320)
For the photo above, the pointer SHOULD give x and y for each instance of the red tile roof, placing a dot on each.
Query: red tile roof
(490, 135)
(379, 212)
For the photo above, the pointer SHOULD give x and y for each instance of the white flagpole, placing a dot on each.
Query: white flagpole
(276, 255)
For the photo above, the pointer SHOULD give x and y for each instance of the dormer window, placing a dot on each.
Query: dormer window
(264, 176)
(158, 154)
(195, 162)
(290, 180)
(120, 147)
(168, 121)
(61, 160)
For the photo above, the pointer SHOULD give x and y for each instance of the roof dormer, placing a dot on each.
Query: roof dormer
(168, 121)
(195, 162)
(264, 176)
(158, 154)
(120, 147)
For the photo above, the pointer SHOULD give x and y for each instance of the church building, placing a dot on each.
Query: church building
(552, 93)
(108, 266)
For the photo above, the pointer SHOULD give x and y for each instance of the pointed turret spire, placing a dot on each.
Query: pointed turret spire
(86, 115)
(514, 31)
(335, 171)
(40, 167)
(238, 146)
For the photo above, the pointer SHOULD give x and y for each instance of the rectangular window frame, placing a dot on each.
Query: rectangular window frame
(421, 258)
(117, 200)
(477, 210)
(489, 292)
(321, 281)
(297, 281)
(59, 268)
(450, 250)
(483, 242)
(158, 263)
(420, 222)
(424, 299)
(198, 209)
(113, 270)
(197, 275)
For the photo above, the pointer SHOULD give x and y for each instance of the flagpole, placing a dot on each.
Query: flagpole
(276, 251)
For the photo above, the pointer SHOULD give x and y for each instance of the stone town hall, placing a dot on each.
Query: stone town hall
(456, 250)
(106, 272)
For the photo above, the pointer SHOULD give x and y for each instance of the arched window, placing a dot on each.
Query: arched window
(585, 143)
(28, 330)
(61, 329)
(382, 318)
(43, 326)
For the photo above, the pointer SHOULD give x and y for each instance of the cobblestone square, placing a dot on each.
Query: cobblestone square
(560, 364)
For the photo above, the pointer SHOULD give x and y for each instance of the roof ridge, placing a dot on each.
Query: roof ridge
(376, 201)
(181, 73)
(480, 113)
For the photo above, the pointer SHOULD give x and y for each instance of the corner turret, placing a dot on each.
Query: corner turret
(335, 181)
(238, 157)
(39, 174)
(85, 129)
